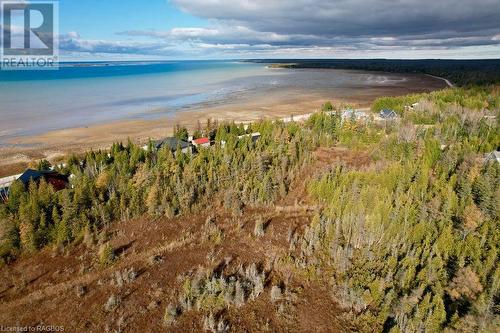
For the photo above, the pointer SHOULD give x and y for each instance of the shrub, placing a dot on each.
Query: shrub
(112, 303)
(171, 313)
(258, 229)
(106, 255)
(275, 293)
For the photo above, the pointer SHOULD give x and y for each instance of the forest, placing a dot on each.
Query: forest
(408, 243)
(459, 72)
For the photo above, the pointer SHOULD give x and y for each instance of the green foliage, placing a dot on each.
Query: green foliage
(106, 255)
(423, 225)
(409, 243)
(181, 133)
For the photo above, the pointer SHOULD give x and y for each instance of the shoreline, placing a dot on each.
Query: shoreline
(55, 145)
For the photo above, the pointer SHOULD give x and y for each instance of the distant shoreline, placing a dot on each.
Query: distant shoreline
(276, 104)
(457, 72)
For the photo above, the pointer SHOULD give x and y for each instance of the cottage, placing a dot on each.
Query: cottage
(57, 180)
(173, 144)
(201, 142)
(388, 114)
(54, 178)
(494, 156)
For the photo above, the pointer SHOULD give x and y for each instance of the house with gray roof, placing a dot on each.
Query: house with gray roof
(172, 144)
(388, 114)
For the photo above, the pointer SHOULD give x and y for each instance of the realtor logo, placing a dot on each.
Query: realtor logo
(29, 35)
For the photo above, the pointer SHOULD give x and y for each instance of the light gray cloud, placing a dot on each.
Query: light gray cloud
(316, 28)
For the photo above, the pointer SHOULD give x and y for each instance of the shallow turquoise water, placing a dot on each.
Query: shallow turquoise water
(33, 102)
(76, 95)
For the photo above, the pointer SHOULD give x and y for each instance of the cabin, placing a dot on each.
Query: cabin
(173, 144)
(494, 156)
(201, 142)
(57, 180)
(388, 114)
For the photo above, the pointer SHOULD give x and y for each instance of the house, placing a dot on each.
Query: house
(388, 114)
(255, 136)
(173, 144)
(349, 114)
(57, 180)
(492, 157)
(201, 142)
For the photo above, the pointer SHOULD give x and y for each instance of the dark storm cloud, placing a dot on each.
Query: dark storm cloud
(437, 23)
(312, 28)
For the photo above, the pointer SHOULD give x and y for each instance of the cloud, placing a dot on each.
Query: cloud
(328, 22)
(315, 28)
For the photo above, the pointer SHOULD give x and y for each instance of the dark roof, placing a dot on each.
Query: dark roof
(172, 143)
(30, 174)
(386, 113)
(35, 175)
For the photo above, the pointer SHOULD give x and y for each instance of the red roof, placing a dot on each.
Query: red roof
(201, 141)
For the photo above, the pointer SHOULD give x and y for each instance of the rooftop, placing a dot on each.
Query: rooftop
(201, 141)
(172, 143)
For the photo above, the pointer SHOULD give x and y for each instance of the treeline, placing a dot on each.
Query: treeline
(430, 105)
(127, 182)
(459, 72)
(411, 244)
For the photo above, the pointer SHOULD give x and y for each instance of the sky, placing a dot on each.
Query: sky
(242, 29)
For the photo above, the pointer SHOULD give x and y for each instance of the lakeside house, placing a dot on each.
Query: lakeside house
(201, 142)
(171, 143)
(57, 180)
(388, 114)
(494, 156)
(351, 114)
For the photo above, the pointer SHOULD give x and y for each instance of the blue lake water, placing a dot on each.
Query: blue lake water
(82, 94)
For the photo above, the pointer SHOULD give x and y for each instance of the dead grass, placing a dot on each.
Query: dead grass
(140, 288)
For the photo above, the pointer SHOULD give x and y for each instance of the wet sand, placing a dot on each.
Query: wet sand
(281, 103)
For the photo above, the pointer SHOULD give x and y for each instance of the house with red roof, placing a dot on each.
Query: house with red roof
(203, 142)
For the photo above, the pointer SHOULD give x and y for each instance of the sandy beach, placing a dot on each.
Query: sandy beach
(54, 145)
